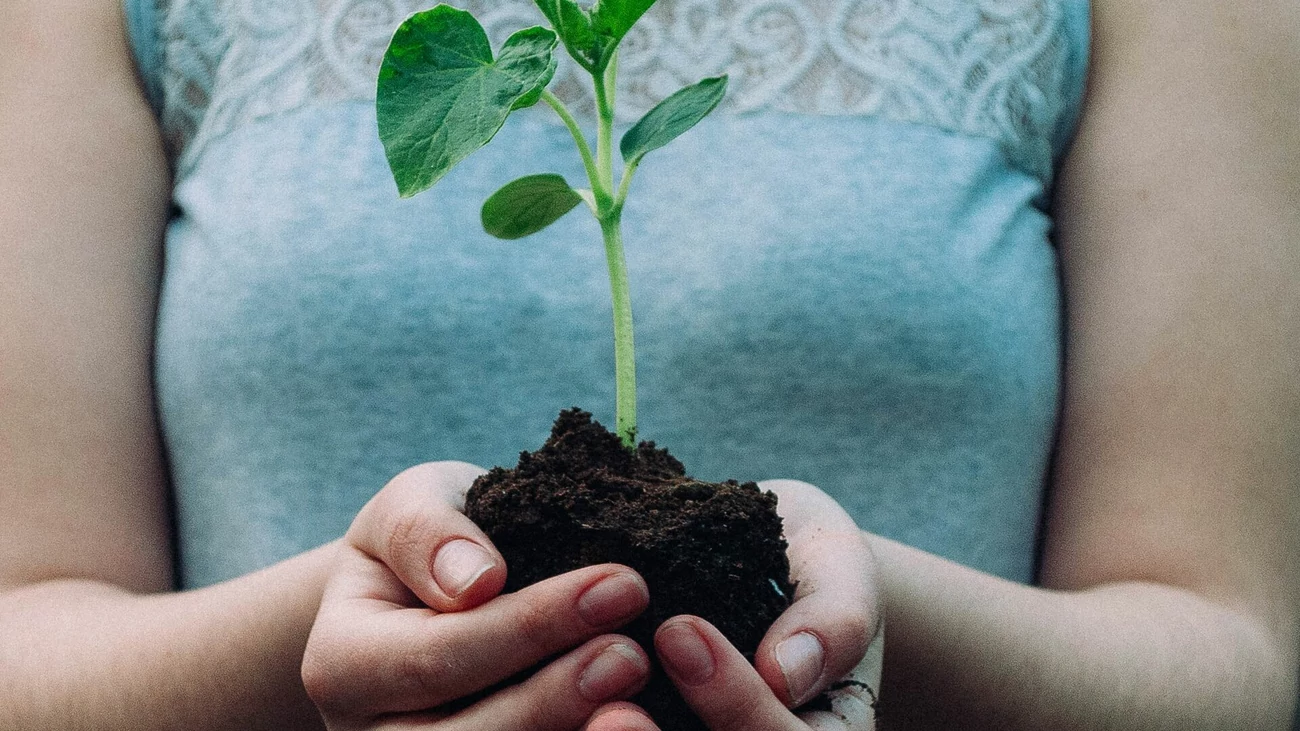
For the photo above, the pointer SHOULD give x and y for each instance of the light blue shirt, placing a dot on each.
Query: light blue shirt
(866, 300)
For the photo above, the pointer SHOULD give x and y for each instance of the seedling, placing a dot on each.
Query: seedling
(442, 95)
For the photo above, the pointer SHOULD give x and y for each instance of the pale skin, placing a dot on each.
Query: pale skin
(411, 619)
(1168, 597)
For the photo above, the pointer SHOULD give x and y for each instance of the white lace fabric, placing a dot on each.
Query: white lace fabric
(988, 68)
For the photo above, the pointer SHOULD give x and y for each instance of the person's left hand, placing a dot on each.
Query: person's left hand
(831, 637)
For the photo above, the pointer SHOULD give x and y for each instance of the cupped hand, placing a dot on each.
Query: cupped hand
(829, 641)
(412, 620)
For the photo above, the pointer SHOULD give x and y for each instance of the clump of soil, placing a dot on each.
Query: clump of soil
(714, 550)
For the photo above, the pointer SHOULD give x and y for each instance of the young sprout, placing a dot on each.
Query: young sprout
(442, 95)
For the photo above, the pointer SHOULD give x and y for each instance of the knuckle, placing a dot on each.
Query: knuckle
(846, 638)
(743, 717)
(426, 672)
(373, 515)
(455, 477)
(535, 715)
(412, 503)
(536, 627)
(411, 478)
(315, 678)
(405, 533)
(445, 480)
(855, 630)
(322, 677)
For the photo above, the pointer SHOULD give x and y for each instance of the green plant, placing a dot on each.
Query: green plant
(442, 95)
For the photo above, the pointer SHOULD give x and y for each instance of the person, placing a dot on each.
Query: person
(845, 278)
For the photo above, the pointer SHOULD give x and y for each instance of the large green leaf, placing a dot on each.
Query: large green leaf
(528, 205)
(573, 25)
(612, 19)
(671, 117)
(441, 95)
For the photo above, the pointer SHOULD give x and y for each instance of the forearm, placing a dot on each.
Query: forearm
(966, 650)
(81, 655)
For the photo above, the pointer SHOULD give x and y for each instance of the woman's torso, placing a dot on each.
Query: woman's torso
(844, 276)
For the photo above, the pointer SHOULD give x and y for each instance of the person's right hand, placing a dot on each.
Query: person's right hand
(411, 620)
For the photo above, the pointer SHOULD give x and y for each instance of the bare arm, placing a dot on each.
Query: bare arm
(1171, 543)
(968, 651)
(85, 654)
(89, 635)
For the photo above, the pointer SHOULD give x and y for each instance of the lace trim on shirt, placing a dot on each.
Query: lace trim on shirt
(989, 68)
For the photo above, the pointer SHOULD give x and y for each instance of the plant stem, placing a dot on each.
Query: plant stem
(608, 207)
(605, 129)
(610, 215)
(611, 73)
(624, 183)
(624, 350)
(579, 139)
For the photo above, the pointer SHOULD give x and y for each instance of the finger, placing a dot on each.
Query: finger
(367, 664)
(415, 527)
(620, 717)
(716, 681)
(853, 698)
(559, 697)
(825, 632)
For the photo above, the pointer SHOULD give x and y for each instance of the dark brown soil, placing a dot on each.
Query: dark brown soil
(714, 550)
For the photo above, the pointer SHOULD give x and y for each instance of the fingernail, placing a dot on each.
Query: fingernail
(612, 673)
(801, 658)
(459, 564)
(613, 600)
(685, 654)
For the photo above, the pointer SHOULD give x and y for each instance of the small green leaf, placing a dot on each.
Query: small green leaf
(671, 117)
(528, 205)
(534, 96)
(573, 25)
(612, 19)
(441, 96)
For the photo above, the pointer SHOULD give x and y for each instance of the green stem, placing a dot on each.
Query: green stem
(605, 129)
(593, 171)
(624, 350)
(624, 183)
(611, 74)
(611, 226)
